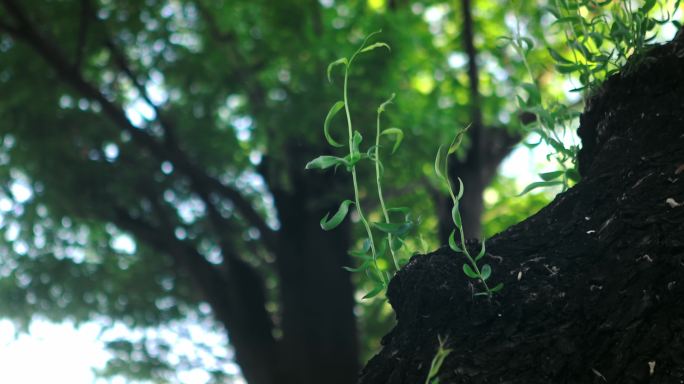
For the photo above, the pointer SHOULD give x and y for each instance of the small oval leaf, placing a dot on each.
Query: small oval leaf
(326, 125)
(486, 272)
(469, 272)
(336, 219)
(497, 288)
(452, 242)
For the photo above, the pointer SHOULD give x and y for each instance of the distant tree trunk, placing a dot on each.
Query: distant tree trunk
(319, 328)
(593, 282)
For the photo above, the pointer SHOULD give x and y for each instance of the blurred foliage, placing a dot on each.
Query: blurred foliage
(244, 84)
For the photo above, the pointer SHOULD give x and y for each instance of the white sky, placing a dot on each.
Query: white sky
(51, 353)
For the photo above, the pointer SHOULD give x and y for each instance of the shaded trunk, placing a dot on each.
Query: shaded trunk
(593, 282)
(319, 328)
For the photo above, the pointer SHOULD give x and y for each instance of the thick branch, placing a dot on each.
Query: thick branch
(238, 299)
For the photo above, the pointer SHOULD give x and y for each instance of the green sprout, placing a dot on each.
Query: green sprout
(394, 232)
(437, 361)
(470, 267)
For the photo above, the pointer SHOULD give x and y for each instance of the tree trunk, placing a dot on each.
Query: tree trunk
(319, 328)
(593, 282)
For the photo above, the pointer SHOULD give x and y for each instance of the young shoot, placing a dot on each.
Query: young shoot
(393, 231)
(437, 361)
(470, 268)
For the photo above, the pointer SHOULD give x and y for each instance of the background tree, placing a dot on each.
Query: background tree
(187, 124)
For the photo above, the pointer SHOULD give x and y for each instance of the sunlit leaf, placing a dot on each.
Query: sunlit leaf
(539, 184)
(375, 46)
(548, 176)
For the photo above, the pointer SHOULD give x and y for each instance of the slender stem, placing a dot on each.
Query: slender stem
(471, 260)
(357, 202)
(378, 182)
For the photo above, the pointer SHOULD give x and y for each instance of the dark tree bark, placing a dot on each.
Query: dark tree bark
(593, 282)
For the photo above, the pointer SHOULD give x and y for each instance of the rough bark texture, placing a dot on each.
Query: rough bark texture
(593, 283)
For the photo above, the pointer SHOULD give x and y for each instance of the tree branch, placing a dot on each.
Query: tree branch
(162, 151)
(82, 33)
(238, 299)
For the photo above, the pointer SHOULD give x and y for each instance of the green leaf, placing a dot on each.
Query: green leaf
(438, 162)
(529, 43)
(456, 217)
(533, 92)
(456, 142)
(362, 267)
(573, 175)
(398, 136)
(393, 228)
(375, 46)
(539, 184)
(497, 288)
(482, 251)
(342, 61)
(572, 20)
(486, 272)
(558, 57)
(336, 219)
(382, 106)
(356, 141)
(326, 125)
(565, 69)
(648, 5)
(548, 176)
(469, 272)
(374, 292)
(324, 162)
(396, 244)
(452, 243)
(461, 189)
